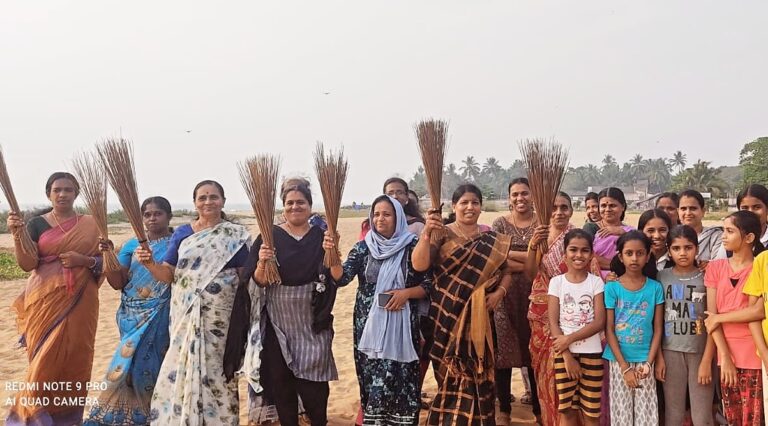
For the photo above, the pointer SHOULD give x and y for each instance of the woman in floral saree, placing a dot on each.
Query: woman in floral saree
(202, 262)
(544, 267)
(470, 279)
(58, 311)
(143, 323)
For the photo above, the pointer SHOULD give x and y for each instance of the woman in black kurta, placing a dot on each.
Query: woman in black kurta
(297, 360)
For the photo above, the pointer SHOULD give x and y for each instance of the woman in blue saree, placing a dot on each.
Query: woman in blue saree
(143, 323)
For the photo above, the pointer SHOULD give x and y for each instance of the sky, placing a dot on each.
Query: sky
(200, 85)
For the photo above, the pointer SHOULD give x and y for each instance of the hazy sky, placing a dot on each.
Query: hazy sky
(617, 77)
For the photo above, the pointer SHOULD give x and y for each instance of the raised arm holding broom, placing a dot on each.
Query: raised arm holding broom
(26, 250)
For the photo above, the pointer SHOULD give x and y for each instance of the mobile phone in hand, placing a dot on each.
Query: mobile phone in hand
(384, 298)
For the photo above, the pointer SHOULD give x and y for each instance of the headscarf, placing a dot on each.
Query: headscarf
(387, 334)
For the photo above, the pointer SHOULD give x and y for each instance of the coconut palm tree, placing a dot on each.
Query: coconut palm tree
(702, 178)
(659, 174)
(470, 170)
(678, 160)
(492, 167)
(637, 166)
(451, 179)
(609, 161)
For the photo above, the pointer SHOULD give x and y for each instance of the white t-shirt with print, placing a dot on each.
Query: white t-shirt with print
(577, 309)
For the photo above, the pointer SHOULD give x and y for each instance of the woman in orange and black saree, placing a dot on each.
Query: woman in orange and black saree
(58, 310)
(470, 280)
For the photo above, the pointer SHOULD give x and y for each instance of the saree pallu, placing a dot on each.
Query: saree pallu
(551, 265)
(191, 388)
(57, 315)
(143, 323)
(606, 247)
(463, 338)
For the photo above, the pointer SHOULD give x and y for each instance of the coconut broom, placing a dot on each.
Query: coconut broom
(93, 184)
(546, 162)
(259, 176)
(332, 174)
(431, 135)
(116, 157)
(28, 246)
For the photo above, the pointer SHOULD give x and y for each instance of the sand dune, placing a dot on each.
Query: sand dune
(344, 397)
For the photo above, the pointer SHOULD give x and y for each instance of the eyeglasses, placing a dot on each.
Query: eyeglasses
(397, 193)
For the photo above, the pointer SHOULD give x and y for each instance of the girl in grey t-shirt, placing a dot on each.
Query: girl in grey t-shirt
(687, 350)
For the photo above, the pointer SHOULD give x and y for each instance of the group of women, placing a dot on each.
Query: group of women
(198, 309)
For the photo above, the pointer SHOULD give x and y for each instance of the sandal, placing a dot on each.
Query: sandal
(526, 399)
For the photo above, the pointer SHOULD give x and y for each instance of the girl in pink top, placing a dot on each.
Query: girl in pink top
(740, 375)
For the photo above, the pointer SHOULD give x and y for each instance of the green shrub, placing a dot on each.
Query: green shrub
(9, 269)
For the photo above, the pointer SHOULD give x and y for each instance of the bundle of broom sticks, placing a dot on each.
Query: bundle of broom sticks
(431, 135)
(28, 246)
(116, 156)
(93, 187)
(332, 174)
(546, 162)
(259, 176)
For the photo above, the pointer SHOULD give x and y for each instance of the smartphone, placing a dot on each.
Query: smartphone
(384, 298)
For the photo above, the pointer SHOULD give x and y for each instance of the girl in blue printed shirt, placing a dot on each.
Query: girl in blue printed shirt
(634, 308)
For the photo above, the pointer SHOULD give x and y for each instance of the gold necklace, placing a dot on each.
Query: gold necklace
(456, 227)
(525, 234)
(56, 219)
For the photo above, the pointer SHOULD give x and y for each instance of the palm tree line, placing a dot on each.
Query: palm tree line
(657, 174)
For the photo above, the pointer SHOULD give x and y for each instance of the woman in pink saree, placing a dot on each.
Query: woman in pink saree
(58, 310)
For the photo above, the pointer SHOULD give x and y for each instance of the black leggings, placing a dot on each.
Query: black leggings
(314, 395)
(504, 390)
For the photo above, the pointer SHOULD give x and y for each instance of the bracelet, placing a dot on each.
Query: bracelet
(94, 263)
(505, 290)
(630, 368)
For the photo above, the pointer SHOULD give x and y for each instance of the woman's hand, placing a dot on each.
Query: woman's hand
(266, 253)
(494, 298)
(73, 259)
(106, 245)
(703, 266)
(728, 372)
(397, 301)
(572, 367)
(705, 373)
(329, 244)
(611, 277)
(144, 255)
(643, 370)
(560, 343)
(711, 322)
(434, 223)
(14, 223)
(630, 377)
(610, 230)
(540, 235)
(660, 369)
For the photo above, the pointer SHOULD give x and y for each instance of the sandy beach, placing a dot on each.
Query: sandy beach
(344, 397)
